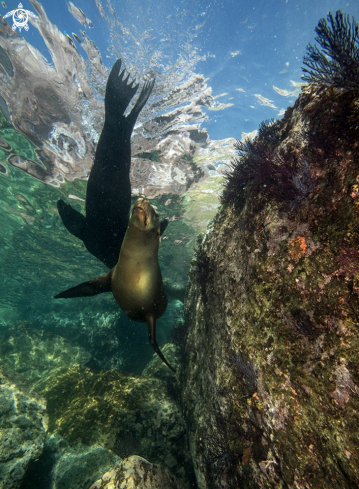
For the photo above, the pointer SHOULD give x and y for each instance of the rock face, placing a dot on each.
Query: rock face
(23, 426)
(270, 385)
(136, 473)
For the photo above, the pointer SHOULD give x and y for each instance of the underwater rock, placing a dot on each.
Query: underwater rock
(154, 368)
(23, 425)
(34, 353)
(137, 473)
(270, 382)
(72, 468)
(113, 340)
(125, 414)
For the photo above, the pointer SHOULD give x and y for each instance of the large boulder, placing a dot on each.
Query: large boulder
(126, 415)
(270, 385)
(23, 425)
(33, 353)
(137, 473)
(62, 466)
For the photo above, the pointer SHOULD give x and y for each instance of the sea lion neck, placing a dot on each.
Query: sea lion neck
(143, 234)
(142, 240)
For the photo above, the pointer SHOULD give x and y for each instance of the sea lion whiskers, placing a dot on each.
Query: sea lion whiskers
(146, 214)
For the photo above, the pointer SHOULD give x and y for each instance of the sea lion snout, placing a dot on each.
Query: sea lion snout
(144, 214)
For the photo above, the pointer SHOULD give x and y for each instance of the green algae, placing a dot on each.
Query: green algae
(152, 156)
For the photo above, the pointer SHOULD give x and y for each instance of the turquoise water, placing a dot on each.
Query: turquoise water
(220, 68)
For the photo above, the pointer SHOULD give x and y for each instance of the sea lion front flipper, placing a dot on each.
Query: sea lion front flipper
(164, 225)
(87, 289)
(73, 220)
(151, 321)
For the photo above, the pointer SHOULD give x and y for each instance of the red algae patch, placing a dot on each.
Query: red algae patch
(297, 248)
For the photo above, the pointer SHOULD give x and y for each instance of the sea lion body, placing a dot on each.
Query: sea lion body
(108, 195)
(136, 280)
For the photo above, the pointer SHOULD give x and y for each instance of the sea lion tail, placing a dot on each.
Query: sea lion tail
(151, 321)
(88, 289)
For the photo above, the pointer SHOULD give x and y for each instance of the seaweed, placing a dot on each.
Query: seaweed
(267, 130)
(272, 172)
(337, 63)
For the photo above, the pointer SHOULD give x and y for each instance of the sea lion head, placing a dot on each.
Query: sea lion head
(144, 216)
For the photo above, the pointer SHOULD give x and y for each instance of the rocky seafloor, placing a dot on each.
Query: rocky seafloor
(64, 424)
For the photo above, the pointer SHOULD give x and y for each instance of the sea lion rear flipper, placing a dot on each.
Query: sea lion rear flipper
(73, 220)
(151, 321)
(142, 99)
(164, 225)
(87, 289)
(118, 94)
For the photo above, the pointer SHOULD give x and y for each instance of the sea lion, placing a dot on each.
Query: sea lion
(108, 196)
(136, 280)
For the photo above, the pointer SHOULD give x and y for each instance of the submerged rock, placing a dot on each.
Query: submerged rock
(125, 414)
(270, 384)
(34, 353)
(23, 425)
(61, 466)
(136, 473)
(156, 368)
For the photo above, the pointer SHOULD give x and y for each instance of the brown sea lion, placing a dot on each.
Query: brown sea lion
(136, 280)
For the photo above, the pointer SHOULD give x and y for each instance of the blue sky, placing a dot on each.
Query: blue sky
(250, 46)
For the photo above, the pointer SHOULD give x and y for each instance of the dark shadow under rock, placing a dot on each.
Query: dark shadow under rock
(63, 467)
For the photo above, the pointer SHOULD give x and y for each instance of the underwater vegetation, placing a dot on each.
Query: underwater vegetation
(269, 169)
(281, 173)
(337, 63)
